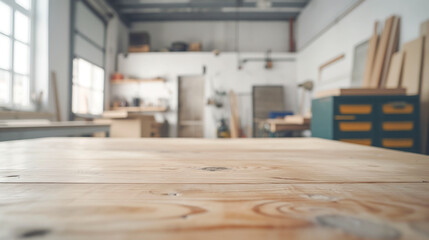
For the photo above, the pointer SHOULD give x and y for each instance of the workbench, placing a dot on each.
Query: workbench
(50, 129)
(301, 188)
(281, 128)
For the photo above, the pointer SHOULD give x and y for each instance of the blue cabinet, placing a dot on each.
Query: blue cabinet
(382, 121)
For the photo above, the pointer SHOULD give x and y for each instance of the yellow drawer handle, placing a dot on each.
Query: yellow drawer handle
(355, 109)
(367, 142)
(398, 142)
(398, 126)
(392, 108)
(355, 126)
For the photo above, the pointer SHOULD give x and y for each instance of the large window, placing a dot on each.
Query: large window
(15, 53)
(88, 87)
(88, 60)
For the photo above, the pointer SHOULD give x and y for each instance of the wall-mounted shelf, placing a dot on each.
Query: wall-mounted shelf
(135, 80)
(141, 109)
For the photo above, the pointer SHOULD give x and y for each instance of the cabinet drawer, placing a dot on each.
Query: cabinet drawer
(355, 126)
(397, 142)
(398, 108)
(355, 108)
(398, 126)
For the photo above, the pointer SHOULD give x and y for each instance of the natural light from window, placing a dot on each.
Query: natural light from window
(15, 53)
(88, 88)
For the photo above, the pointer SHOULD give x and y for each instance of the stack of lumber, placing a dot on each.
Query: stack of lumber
(381, 55)
(381, 68)
(386, 67)
(407, 68)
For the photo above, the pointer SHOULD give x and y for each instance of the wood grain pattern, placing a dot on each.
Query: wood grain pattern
(182, 161)
(217, 211)
(80, 188)
(381, 54)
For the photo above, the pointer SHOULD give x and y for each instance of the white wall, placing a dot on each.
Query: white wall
(116, 42)
(353, 29)
(254, 36)
(317, 16)
(59, 51)
(222, 74)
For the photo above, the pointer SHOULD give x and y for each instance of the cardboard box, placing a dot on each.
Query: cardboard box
(195, 47)
(141, 48)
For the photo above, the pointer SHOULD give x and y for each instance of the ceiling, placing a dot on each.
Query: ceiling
(207, 10)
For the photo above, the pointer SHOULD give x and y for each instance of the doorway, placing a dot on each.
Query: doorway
(191, 106)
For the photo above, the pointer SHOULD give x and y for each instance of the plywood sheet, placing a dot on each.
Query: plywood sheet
(395, 71)
(411, 74)
(381, 53)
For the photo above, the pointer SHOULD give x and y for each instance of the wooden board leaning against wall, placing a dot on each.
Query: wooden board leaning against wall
(409, 68)
(377, 69)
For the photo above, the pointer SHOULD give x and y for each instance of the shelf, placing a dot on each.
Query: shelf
(141, 109)
(135, 80)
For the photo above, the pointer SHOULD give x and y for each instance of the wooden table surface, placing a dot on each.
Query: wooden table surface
(301, 188)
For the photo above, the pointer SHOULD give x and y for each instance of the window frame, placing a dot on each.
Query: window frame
(14, 6)
(75, 32)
